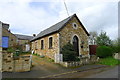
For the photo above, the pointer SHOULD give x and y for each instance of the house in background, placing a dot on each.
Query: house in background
(50, 41)
(24, 41)
(8, 38)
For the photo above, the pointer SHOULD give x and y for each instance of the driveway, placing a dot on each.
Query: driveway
(44, 68)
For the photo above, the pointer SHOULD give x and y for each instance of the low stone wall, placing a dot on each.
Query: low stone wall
(15, 64)
(83, 61)
(116, 56)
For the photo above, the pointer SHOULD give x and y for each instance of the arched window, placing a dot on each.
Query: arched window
(76, 45)
(50, 43)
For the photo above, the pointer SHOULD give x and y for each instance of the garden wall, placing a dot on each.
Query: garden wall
(116, 56)
(15, 64)
(83, 61)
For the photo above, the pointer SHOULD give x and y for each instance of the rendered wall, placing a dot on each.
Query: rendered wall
(0, 46)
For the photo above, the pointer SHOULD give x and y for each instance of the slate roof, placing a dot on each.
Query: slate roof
(23, 37)
(56, 28)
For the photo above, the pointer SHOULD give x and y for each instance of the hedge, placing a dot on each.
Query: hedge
(104, 51)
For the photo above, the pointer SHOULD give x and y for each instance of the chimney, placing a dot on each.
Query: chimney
(9, 30)
(34, 35)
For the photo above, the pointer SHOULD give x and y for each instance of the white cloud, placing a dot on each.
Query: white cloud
(28, 20)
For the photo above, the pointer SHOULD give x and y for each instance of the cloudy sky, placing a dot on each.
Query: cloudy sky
(33, 16)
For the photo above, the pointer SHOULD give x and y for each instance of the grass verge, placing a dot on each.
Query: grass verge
(110, 61)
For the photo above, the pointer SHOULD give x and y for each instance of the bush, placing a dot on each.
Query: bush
(26, 52)
(68, 52)
(104, 51)
(10, 50)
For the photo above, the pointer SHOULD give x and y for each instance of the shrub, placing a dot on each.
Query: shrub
(68, 52)
(26, 52)
(104, 51)
(10, 50)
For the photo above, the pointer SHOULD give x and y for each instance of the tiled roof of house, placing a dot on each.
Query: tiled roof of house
(23, 37)
(56, 28)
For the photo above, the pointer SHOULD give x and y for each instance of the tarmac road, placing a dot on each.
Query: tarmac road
(108, 72)
(111, 73)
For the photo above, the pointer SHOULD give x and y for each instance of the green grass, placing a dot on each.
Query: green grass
(109, 61)
(43, 58)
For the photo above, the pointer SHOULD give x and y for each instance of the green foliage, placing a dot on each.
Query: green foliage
(11, 50)
(109, 61)
(104, 51)
(103, 39)
(116, 45)
(116, 49)
(68, 52)
(26, 52)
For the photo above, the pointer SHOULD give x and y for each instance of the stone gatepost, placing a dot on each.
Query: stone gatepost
(0, 50)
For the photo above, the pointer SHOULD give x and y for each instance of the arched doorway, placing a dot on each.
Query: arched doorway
(76, 44)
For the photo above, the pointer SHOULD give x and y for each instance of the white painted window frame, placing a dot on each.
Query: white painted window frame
(74, 26)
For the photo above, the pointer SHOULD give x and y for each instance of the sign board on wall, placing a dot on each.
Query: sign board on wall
(5, 40)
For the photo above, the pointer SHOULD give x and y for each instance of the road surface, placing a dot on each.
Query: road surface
(108, 72)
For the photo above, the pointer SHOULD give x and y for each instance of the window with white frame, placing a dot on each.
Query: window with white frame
(74, 25)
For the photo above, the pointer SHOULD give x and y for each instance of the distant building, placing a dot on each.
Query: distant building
(50, 41)
(24, 41)
(8, 39)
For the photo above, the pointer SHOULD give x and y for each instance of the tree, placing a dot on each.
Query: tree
(103, 39)
(92, 38)
(116, 45)
(68, 52)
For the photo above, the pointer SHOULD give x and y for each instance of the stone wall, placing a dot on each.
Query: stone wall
(68, 32)
(22, 42)
(116, 56)
(0, 36)
(36, 46)
(12, 37)
(83, 61)
(15, 64)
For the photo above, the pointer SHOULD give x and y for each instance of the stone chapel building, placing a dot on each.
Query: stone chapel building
(50, 41)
